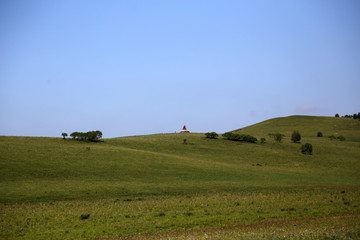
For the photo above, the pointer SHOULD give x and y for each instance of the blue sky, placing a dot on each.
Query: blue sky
(143, 67)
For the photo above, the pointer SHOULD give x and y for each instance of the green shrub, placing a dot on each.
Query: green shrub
(272, 135)
(278, 137)
(319, 134)
(228, 135)
(341, 138)
(295, 136)
(85, 216)
(211, 135)
(263, 140)
(306, 149)
(332, 137)
(240, 137)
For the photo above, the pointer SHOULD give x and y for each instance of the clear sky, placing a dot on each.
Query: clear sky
(142, 67)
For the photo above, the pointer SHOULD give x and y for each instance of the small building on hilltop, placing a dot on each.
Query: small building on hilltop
(184, 130)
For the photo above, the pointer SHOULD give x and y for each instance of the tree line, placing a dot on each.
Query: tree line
(92, 136)
(354, 116)
(295, 138)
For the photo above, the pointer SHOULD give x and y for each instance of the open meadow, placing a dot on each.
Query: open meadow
(162, 187)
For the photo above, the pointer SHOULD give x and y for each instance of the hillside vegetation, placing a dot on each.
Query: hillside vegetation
(307, 125)
(156, 183)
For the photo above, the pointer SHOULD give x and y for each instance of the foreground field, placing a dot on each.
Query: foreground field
(332, 227)
(148, 217)
(156, 186)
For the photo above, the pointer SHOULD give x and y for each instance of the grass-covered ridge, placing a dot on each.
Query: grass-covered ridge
(156, 183)
(307, 125)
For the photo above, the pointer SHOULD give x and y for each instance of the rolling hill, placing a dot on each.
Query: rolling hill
(152, 169)
(307, 125)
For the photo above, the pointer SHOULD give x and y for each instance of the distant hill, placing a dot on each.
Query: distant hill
(307, 125)
(154, 164)
(52, 188)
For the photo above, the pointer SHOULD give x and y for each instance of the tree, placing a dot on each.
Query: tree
(64, 135)
(295, 136)
(92, 136)
(319, 134)
(337, 115)
(278, 137)
(356, 116)
(98, 134)
(306, 149)
(82, 136)
(74, 135)
(211, 135)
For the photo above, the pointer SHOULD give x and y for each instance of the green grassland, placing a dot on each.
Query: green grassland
(155, 186)
(307, 125)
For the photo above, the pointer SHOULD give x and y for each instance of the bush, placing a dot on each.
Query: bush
(278, 137)
(295, 136)
(341, 138)
(240, 137)
(306, 149)
(263, 140)
(85, 216)
(211, 135)
(337, 115)
(319, 134)
(332, 137)
(228, 135)
(272, 135)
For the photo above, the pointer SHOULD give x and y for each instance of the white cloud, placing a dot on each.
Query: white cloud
(306, 108)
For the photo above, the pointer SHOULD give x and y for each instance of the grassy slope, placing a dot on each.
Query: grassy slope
(44, 169)
(308, 126)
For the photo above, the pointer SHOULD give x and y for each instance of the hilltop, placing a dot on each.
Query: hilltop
(160, 173)
(307, 125)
